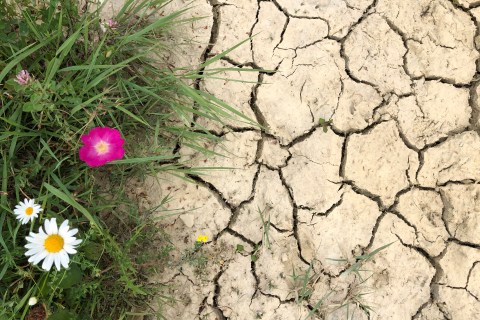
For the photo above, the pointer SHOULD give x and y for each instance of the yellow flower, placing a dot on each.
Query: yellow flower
(202, 238)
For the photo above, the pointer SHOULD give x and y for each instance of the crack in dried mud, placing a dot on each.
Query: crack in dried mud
(386, 208)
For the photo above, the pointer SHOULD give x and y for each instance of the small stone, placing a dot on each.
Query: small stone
(187, 219)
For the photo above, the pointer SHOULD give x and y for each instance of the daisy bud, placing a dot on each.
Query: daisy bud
(32, 301)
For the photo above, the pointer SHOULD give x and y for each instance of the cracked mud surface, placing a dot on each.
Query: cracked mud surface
(399, 163)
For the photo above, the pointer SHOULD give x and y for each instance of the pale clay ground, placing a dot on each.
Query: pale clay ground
(400, 162)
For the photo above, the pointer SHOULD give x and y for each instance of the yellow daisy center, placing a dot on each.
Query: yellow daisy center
(29, 211)
(53, 243)
(101, 147)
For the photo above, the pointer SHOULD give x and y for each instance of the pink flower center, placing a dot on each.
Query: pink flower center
(102, 147)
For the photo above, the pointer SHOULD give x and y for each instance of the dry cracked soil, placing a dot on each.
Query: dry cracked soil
(297, 205)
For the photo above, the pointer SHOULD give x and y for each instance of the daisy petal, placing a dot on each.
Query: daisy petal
(69, 249)
(57, 261)
(64, 259)
(53, 226)
(32, 245)
(47, 263)
(47, 226)
(38, 257)
(71, 232)
(33, 251)
(63, 228)
(76, 242)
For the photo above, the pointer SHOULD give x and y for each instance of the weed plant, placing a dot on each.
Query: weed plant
(87, 73)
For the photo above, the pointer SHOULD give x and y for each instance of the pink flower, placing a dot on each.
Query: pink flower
(101, 145)
(112, 24)
(23, 78)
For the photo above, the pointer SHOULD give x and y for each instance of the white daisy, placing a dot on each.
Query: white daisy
(52, 245)
(27, 210)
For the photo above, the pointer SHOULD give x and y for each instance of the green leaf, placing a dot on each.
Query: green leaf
(239, 248)
(32, 107)
(62, 315)
(93, 251)
(12, 84)
(72, 276)
(254, 257)
(36, 98)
